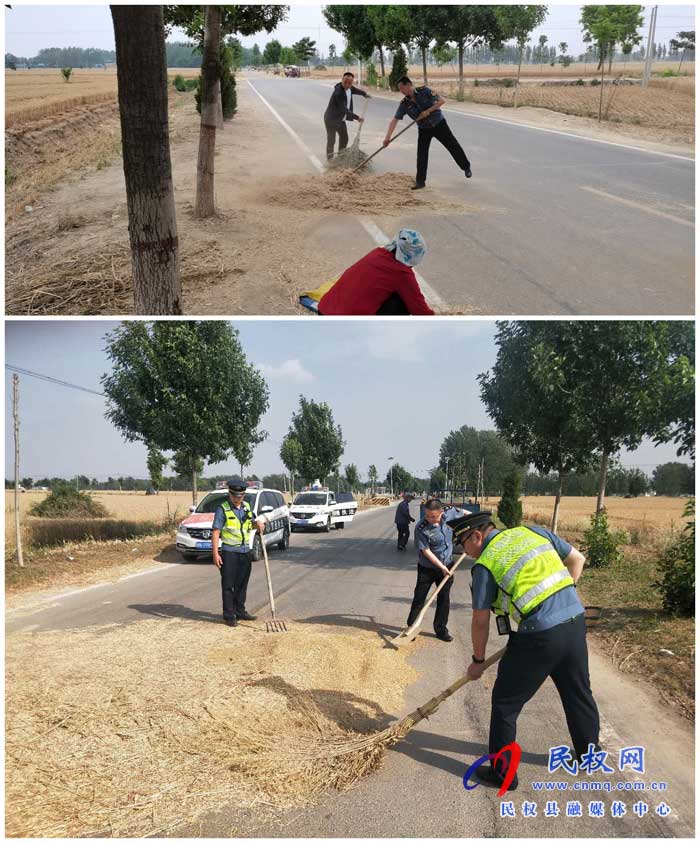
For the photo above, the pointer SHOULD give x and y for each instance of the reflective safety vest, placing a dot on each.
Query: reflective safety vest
(527, 570)
(234, 532)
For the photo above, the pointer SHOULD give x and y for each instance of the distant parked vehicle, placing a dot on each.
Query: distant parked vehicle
(292, 70)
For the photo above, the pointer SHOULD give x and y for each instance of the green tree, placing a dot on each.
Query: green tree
(288, 56)
(332, 54)
(518, 22)
(673, 479)
(469, 27)
(188, 468)
(443, 54)
(544, 53)
(352, 476)
(272, 52)
(256, 56)
(510, 507)
(372, 477)
(468, 453)
(156, 462)
(358, 25)
(637, 482)
(543, 428)
(398, 68)
(177, 386)
(320, 440)
(564, 60)
(66, 72)
(304, 48)
(677, 569)
(399, 479)
(291, 454)
(685, 42)
(607, 26)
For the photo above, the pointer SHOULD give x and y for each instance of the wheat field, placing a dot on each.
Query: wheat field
(129, 506)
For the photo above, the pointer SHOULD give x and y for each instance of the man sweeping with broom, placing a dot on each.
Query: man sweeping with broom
(528, 575)
(339, 111)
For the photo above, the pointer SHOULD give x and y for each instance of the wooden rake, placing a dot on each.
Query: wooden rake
(275, 625)
(411, 632)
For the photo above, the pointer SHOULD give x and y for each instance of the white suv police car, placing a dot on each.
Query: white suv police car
(193, 537)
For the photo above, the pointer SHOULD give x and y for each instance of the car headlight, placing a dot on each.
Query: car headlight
(181, 528)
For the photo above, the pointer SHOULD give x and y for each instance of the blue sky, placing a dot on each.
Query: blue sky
(396, 389)
(31, 27)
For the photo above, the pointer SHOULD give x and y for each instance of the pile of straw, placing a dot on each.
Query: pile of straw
(128, 731)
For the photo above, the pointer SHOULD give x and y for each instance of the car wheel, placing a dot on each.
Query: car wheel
(327, 528)
(257, 548)
(284, 544)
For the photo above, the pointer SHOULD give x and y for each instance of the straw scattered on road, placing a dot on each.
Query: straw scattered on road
(127, 731)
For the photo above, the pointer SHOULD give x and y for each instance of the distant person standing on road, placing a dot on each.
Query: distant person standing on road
(422, 105)
(233, 522)
(403, 521)
(340, 111)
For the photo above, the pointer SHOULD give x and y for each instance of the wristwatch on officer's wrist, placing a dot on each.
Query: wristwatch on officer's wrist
(477, 661)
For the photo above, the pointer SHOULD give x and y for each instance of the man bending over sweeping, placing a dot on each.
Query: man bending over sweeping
(422, 105)
(382, 283)
(340, 110)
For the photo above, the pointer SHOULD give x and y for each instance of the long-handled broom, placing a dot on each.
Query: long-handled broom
(398, 134)
(410, 632)
(359, 755)
(274, 625)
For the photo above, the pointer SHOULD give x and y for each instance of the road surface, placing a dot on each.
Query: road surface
(562, 224)
(355, 577)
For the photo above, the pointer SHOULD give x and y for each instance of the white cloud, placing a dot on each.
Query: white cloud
(292, 371)
(411, 342)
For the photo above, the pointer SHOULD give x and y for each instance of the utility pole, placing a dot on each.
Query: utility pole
(650, 48)
(391, 475)
(15, 418)
(447, 473)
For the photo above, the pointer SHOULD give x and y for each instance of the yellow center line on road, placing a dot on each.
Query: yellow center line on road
(433, 298)
(639, 206)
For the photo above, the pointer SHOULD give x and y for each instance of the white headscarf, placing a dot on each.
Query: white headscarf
(408, 246)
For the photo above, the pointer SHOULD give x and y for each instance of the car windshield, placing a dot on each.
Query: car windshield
(310, 499)
(212, 502)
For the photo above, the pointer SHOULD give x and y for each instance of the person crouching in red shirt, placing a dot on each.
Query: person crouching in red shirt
(382, 283)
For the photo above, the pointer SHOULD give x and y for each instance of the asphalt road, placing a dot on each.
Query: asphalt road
(561, 224)
(355, 577)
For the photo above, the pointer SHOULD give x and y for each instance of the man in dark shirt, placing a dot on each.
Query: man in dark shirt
(422, 105)
(403, 520)
(340, 110)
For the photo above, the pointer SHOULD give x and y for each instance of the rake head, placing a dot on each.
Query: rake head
(276, 625)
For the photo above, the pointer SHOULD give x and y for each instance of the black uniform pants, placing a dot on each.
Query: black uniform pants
(443, 133)
(404, 533)
(334, 127)
(235, 573)
(561, 653)
(426, 578)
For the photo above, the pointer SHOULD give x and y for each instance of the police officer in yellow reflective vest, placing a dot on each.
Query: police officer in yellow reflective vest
(527, 576)
(234, 522)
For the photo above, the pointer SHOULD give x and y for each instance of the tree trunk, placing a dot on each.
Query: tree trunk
(212, 117)
(143, 108)
(194, 483)
(425, 67)
(602, 86)
(460, 47)
(681, 61)
(381, 60)
(602, 478)
(557, 502)
(517, 80)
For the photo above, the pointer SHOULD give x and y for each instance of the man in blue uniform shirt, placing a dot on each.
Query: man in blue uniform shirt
(422, 105)
(403, 520)
(528, 575)
(433, 538)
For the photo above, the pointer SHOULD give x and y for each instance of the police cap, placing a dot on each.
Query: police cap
(466, 523)
(236, 484)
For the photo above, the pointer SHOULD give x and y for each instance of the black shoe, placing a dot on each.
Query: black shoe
(489, 777)
(418, 186)
(468, 172)
(230, 621)
(245, 616)
(444, 636)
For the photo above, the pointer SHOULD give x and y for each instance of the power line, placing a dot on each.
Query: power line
(48, 378)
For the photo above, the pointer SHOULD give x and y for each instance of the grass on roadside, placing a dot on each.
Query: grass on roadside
(634, 629)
